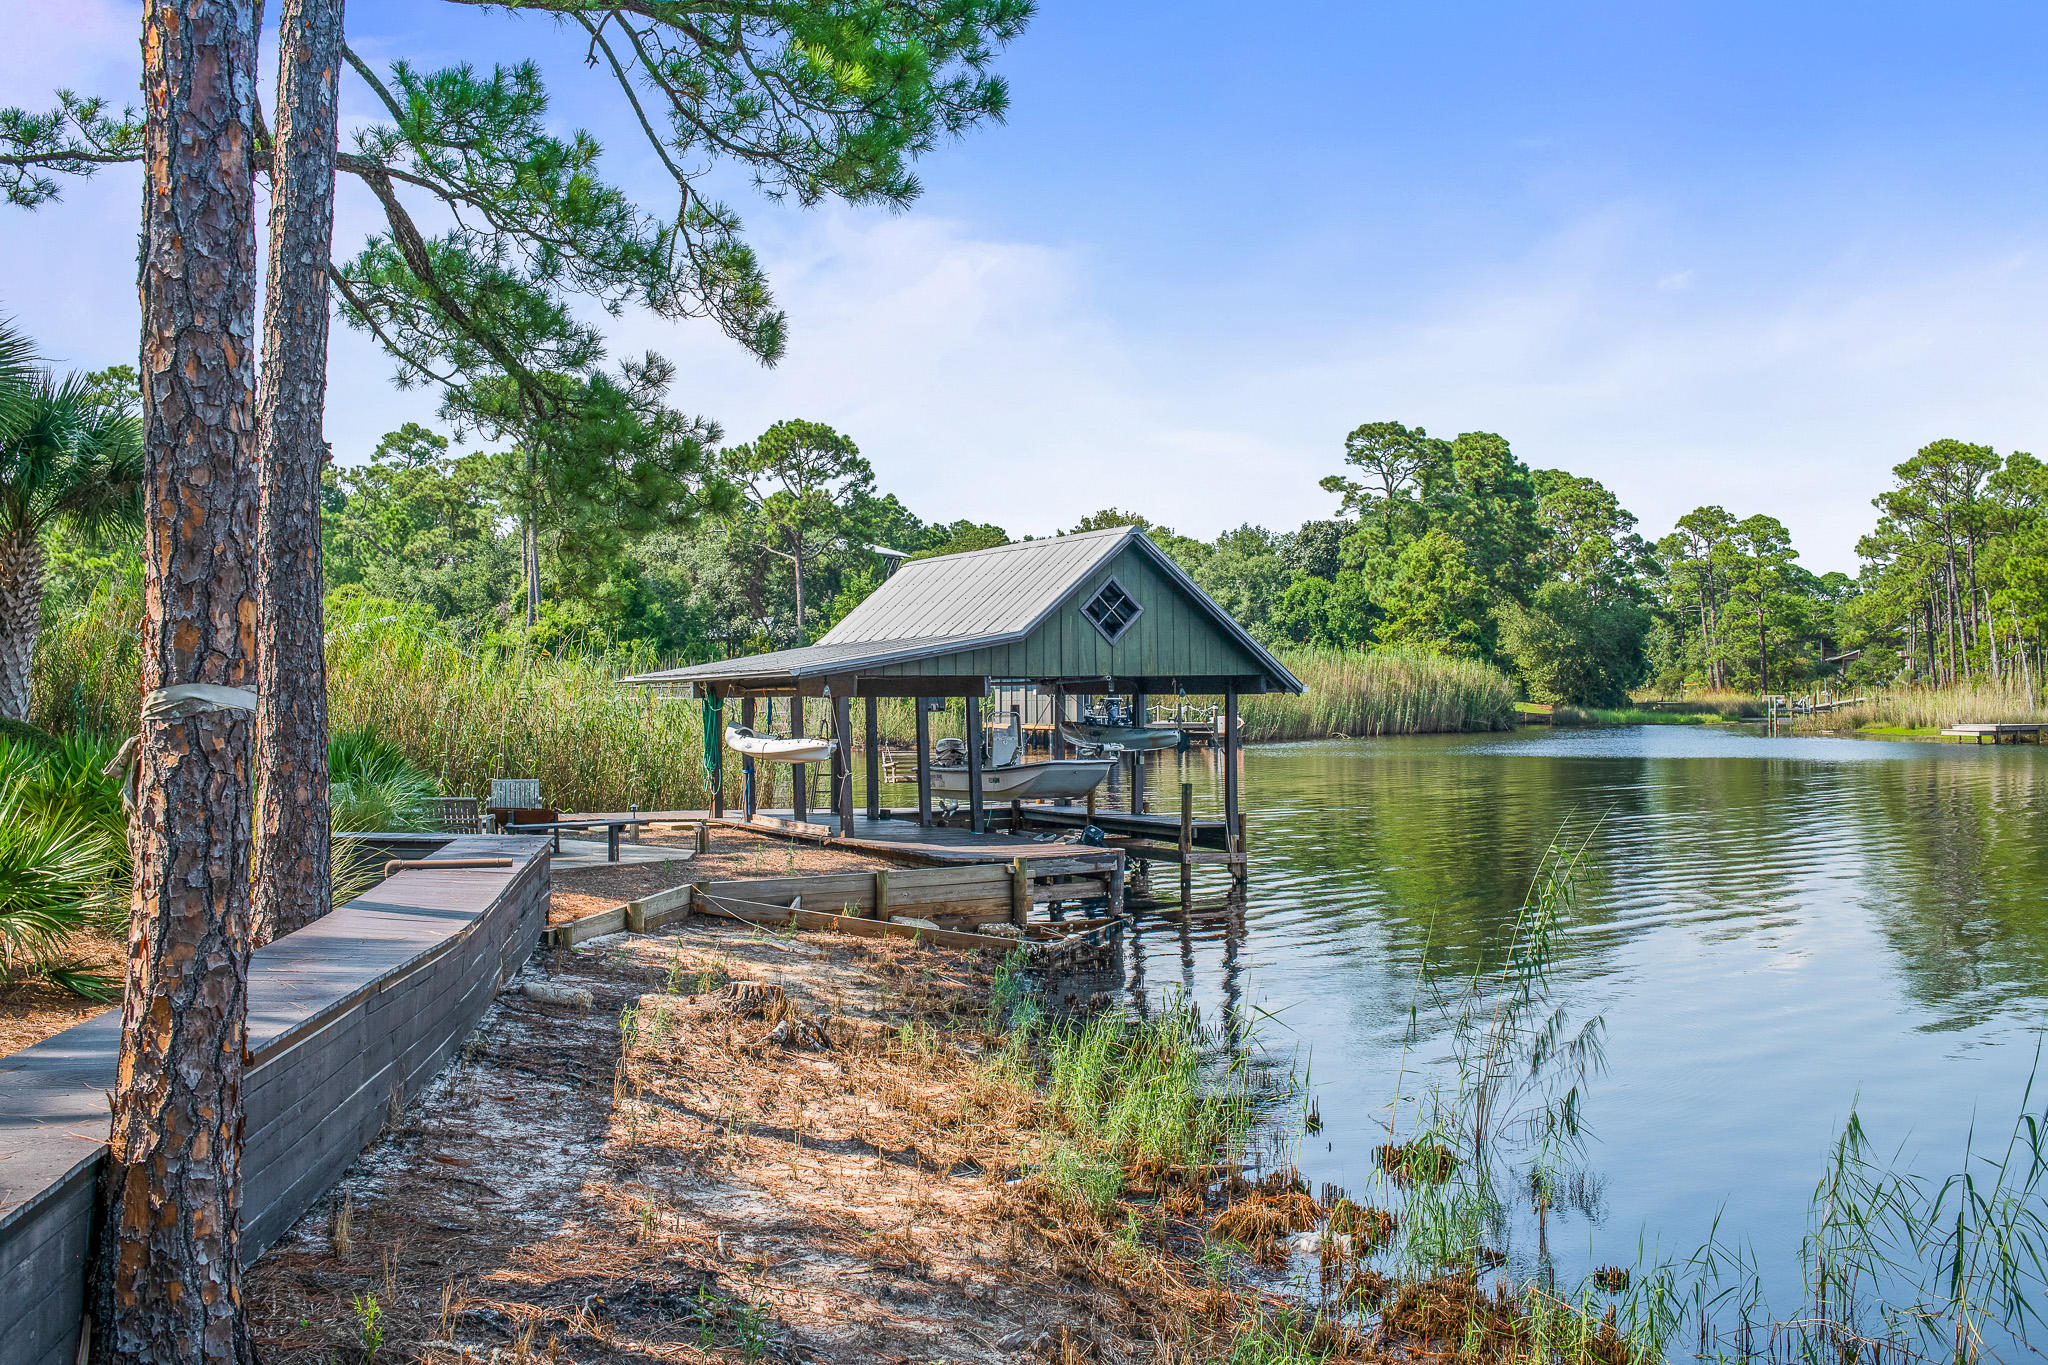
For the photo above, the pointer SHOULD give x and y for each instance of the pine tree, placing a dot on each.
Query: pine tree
(169, 1263)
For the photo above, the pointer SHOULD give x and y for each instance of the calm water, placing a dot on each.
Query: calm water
(1774, 929)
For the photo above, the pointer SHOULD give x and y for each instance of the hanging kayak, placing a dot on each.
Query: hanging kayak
(799, 750)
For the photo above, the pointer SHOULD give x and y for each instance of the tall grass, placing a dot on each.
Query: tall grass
(1356, 693)
(87, 672)
(464, 717)
(1937, 708)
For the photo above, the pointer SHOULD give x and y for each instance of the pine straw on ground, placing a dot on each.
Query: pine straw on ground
(33, 1010)
(681, 1187)
(800, 1147)
(735, 854)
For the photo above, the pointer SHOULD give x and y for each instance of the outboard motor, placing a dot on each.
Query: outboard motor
(950, 752)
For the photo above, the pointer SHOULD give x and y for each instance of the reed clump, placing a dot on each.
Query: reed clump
(1936, 708)
(1362, 693)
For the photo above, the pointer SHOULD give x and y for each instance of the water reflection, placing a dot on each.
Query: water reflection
(1773, 929)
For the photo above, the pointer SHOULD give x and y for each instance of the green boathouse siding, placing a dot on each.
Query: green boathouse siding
(1173, 637)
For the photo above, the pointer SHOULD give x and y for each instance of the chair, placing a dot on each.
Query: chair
(458, 814)
(514, 793)
(516, 801)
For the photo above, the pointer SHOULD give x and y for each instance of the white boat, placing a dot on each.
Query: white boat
(1005, 776)
(1125, 737)
(1054, 780)
(797, 750)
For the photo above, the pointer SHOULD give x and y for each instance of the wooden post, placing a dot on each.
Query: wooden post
(799, 773)
(716, 743)
(1138, 759)
(702, 834)
(924, 762)
(1230, 782)
(842, 756)
(1187, 844)
(749, 795)
(1016, 817)
(874, 759)
(881, 896)
(1091, 805)
(1056, 743)
(974, 803)
(1020, 892)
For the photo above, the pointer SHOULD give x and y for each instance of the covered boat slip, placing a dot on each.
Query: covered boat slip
(1099, 614)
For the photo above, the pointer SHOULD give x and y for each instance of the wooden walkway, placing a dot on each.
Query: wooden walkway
(932, 845)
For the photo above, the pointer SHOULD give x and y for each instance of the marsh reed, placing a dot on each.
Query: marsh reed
(1359, 693)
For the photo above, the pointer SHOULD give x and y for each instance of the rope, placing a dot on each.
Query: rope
(181, 702)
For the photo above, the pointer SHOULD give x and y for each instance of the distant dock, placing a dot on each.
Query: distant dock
(1997, 733)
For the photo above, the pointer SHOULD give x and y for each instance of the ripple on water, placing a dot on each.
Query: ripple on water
(1773, 929)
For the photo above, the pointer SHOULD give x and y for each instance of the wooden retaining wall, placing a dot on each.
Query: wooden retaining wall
(346, 1017)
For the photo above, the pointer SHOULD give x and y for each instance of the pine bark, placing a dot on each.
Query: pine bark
(294, 869)
(169, 1266)
(22, 561)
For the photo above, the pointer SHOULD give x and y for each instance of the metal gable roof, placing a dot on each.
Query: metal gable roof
(973, 600)
(1002, 591)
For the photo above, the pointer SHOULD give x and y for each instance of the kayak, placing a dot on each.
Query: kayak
(798, 750)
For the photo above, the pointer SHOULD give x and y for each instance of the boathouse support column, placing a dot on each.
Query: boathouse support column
(1231, 839)
(1055, 741)
(749, 798)
(1138, 758)
(715, 745)
(799, 773)
(874, 758)
(842, 755)
(924, 759)
(974, 806)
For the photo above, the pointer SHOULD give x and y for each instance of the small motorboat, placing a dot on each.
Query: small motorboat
(1004, 775)
(1054, 780)
(799, 749)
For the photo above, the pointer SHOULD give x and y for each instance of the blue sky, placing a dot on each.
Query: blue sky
(1739, 253)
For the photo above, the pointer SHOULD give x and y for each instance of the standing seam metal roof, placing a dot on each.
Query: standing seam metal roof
(1001, 591)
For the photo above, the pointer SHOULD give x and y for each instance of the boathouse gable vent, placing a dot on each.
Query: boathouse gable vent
(1112, 610)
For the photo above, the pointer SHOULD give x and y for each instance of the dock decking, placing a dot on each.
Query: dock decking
(935, 845)
(1997, 732)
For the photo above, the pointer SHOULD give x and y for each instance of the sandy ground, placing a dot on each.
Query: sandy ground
(31, 1011)
(670, 1175)
(735, 854)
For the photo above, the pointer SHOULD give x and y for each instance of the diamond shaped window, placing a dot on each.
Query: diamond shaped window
(1112, 610)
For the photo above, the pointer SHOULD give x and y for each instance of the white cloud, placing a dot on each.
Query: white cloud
(987, 377)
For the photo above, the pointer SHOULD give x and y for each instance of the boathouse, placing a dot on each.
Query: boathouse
(1079, 616)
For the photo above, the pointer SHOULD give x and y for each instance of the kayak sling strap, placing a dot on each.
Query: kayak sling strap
(714, 713)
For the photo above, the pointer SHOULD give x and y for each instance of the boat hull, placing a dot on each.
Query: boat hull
(1125, 737)
(773, 750)
(1061, 777)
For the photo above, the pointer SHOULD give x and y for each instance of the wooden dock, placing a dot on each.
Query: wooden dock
(1996, 732)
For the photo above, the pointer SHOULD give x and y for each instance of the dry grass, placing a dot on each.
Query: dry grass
(1937, 708)
(662, 1178)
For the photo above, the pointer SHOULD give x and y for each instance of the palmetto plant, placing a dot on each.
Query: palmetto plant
(66, 456)
(53, 879)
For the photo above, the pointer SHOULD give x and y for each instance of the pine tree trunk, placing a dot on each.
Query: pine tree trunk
(21, 618)
(294, 871)
(798, 561)
(169, 1286)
